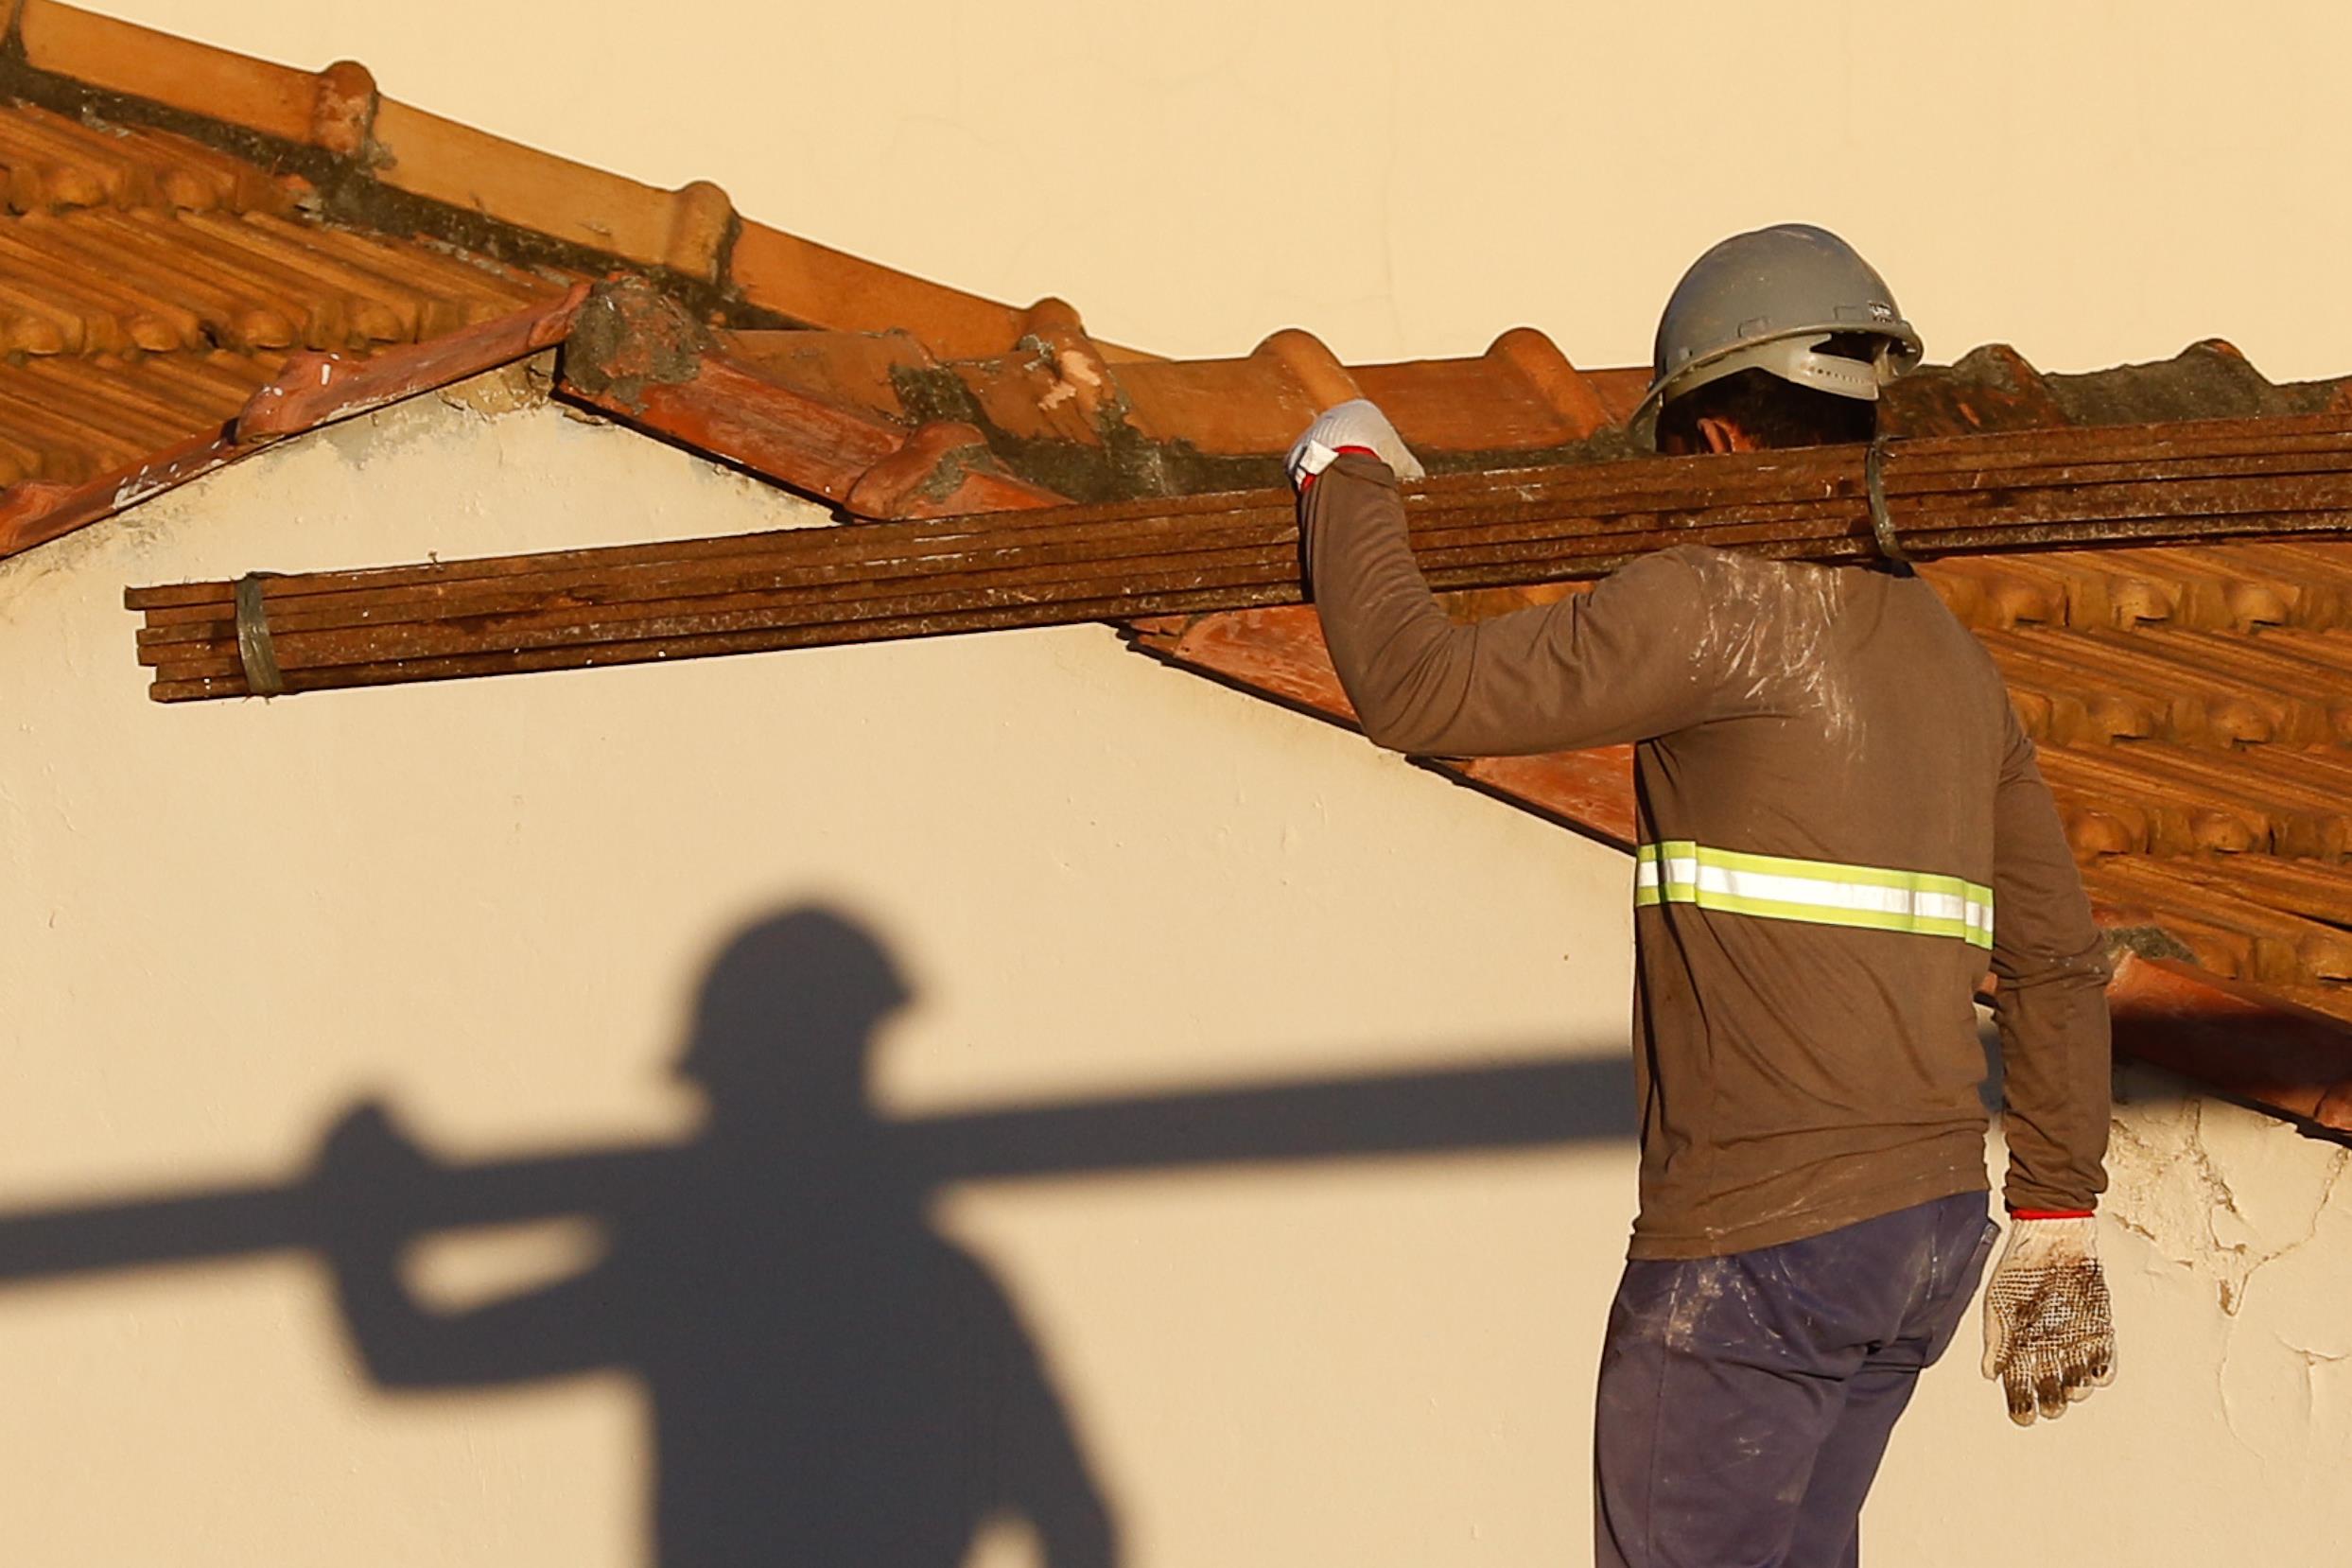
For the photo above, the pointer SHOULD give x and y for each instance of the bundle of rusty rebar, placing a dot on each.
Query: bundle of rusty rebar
(867, 582)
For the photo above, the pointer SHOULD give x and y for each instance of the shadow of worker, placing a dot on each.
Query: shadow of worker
(832, 1382)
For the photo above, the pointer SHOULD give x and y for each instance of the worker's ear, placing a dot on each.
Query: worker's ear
(1721, 435)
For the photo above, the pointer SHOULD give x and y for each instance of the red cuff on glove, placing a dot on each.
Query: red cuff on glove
(2052, 1213)
(1337, 452)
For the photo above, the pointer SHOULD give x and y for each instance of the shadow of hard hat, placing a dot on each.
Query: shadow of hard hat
(793, 999)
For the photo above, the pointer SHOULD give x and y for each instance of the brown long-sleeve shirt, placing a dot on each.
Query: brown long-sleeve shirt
(1841, 827)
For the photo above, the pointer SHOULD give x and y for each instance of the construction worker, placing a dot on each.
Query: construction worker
(1841, 825)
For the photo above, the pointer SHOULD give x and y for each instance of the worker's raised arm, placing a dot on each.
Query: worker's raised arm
(1624, 662)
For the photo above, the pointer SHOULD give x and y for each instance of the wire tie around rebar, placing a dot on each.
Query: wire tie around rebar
(1882, 521)
(254, 649)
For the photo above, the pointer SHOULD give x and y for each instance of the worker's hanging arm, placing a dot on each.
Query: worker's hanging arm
(2049, 1335)
(1624, 662)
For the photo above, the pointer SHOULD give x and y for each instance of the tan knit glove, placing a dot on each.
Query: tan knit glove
(2049, 1333)
(1356, 426)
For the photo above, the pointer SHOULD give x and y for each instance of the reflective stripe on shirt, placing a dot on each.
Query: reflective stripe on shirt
(1775, 887)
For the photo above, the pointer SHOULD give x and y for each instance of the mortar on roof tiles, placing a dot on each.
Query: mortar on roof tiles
(1126, 464)
(629, 336)
(947, 475)
(1994, 388)
(2206, 380)
(1989, 388)
(2148, 942)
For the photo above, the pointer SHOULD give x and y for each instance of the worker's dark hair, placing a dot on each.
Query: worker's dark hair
(1771, 412)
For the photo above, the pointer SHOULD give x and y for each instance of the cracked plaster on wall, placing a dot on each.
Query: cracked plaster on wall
(2242, 1206)
(2215, 1190)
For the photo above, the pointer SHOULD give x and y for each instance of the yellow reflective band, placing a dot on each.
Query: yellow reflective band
(1775, 887)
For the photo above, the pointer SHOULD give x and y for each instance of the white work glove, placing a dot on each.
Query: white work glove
(1357, 422)
(2049, 1333)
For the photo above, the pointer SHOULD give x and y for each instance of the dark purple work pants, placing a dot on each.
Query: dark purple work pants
(1744, 1401)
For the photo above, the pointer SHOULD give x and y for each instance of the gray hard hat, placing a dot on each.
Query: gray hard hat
(1766, 301)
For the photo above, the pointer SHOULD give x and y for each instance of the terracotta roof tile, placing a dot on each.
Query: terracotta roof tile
(2263, 1045)
(150, 282)
(2298, 942)
(823, 287)
(428, 156)
(53, 163)
(371, 157)
(123, 56)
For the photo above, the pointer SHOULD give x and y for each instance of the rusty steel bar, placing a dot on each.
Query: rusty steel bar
(799, 587)
(522, 601)
(171, 689)
(872, 550)
(1485, 566)
(1926, 464)
(842, 573)
(216, 675)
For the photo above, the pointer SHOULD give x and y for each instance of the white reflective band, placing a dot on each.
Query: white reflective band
(1775, 887)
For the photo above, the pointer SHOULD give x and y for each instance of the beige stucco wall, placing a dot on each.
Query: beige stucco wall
(489, 903)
